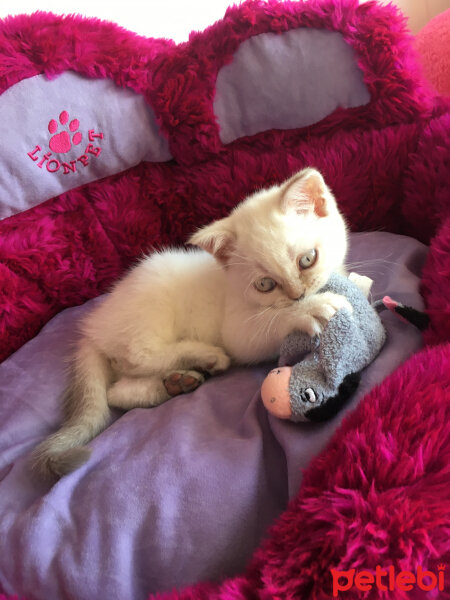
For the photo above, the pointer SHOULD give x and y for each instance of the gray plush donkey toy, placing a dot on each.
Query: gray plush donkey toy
(327, 369)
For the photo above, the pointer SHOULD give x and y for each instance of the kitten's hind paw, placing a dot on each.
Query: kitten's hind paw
(182, 382)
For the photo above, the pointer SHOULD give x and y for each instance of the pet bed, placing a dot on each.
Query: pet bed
(113, 144)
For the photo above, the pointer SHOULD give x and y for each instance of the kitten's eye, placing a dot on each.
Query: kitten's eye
(265, 284)
(308, 259)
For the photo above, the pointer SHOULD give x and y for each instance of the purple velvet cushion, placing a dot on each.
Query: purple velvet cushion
(171, 495)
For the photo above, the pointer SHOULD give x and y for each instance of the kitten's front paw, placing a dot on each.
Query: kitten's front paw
(337, 301)
(312, 326)
(214, 361)
(324, 306)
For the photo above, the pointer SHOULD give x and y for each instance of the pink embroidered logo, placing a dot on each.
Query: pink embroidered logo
(62, 142)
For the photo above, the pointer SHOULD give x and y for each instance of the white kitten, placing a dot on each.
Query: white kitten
(181, 313)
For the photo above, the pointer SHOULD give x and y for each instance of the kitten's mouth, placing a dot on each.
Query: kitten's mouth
(298, 298)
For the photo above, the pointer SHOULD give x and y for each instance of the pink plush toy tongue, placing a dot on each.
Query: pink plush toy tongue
(275, 392)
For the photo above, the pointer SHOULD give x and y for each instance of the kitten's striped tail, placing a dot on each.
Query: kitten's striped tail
(86, 414)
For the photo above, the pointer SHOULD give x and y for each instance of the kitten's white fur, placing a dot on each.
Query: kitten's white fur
(199, 309)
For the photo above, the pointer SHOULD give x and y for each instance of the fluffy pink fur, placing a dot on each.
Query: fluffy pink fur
(379, 494)
(378, 37)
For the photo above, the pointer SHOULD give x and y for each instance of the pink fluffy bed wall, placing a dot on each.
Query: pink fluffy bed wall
(114, 144)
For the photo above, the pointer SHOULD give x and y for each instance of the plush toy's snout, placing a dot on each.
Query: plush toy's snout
(277, 397)
(275, 392)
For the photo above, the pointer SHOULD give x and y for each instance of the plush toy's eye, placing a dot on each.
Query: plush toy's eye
(309, 395)
(308, 259)
(265, 284)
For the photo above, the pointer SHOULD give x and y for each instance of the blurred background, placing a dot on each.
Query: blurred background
(177, 18)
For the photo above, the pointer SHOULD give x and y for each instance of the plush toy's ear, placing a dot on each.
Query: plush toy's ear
(306, 192)
(218, 239)
(364, 283)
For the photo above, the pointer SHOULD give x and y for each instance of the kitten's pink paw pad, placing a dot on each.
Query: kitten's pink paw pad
(182, 382)
(62, 142)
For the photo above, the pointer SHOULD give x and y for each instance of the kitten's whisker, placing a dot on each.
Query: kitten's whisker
(258, 314)
(259, 330)
(373, 263)
(271, 322)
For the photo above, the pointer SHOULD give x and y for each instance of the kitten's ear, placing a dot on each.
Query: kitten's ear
(306, 192)
(218, 239)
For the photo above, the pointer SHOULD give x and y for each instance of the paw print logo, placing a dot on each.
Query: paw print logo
(62, 142)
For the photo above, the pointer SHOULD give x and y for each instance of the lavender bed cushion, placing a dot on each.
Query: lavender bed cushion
(171, 495)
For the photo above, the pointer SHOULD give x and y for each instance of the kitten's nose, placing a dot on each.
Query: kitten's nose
(294, 291)
(297, 298)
